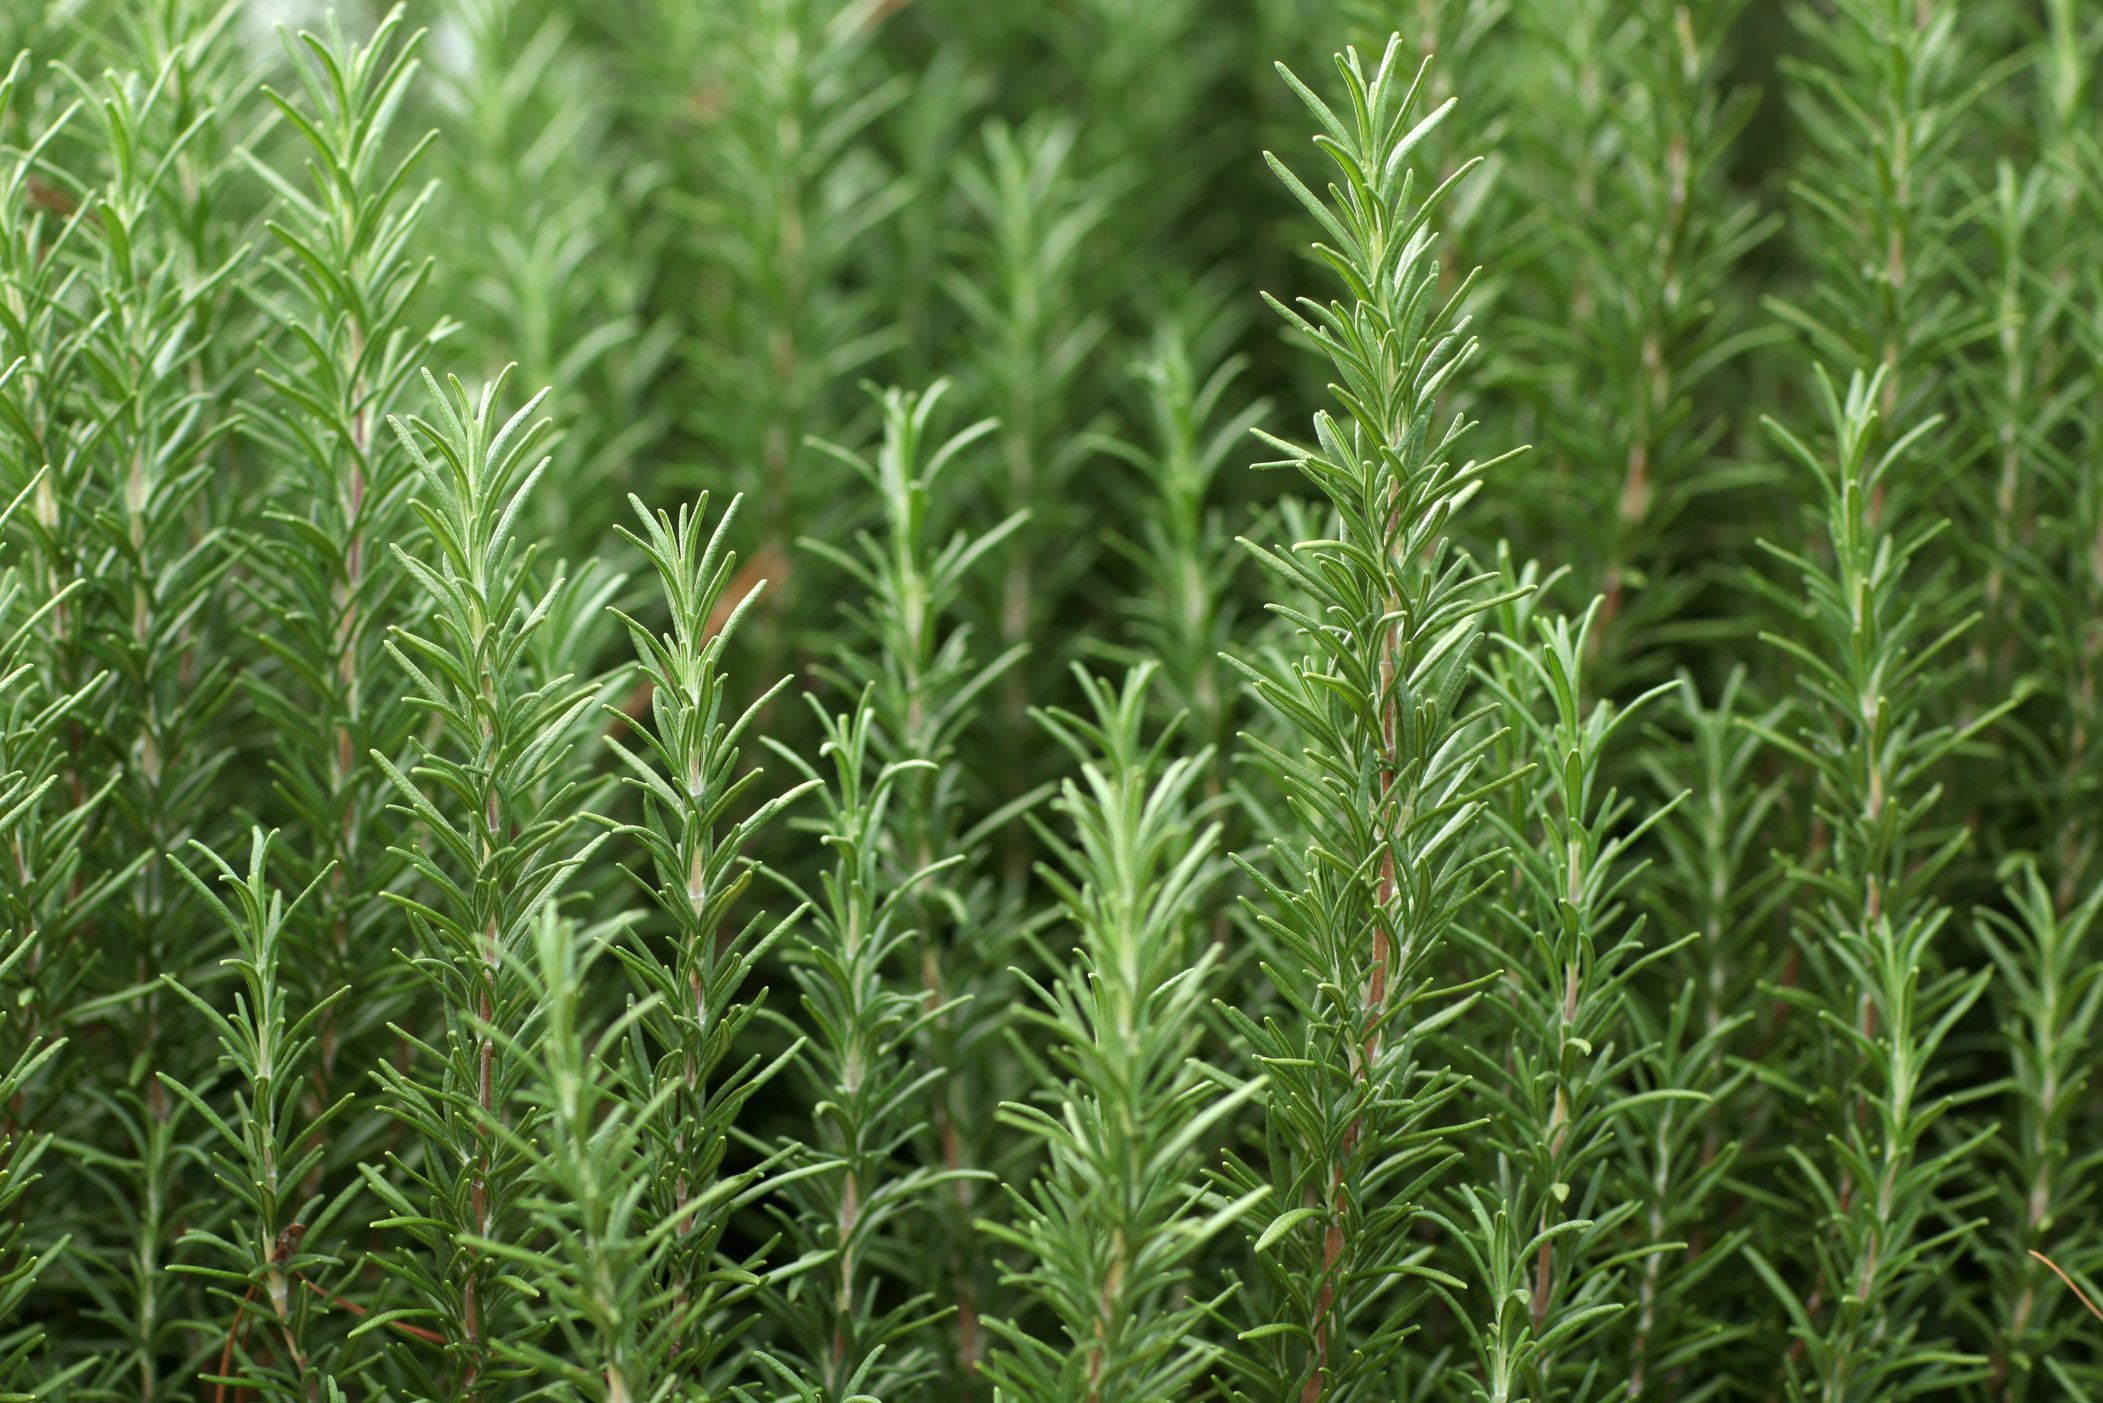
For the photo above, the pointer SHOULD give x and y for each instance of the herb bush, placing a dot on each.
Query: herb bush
(655, 747)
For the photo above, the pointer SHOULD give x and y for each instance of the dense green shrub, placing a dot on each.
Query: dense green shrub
(846, 849)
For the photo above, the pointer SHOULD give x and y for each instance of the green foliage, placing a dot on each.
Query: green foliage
(496, 807)
(344, 282)
(1867, 929)
(686, 768)
(1385, 774)
(1610, 917)
(924, 686)
(1564, 1088)
(268, 1150)
(35, 882)
(1105, 1233)
(867, 1199)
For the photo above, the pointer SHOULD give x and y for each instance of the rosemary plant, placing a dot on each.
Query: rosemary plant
(35, 879)
(1560, 1101)
(1186, 613)
(694, 830)
(1888, 1191)
(1437, 953)
(1646, 118)
(1103, 1238)
(601, 1260)
(1713, 886)
(866, 1203)
(2041, 956)
(345, 285)
(529, 114)
(493, 799)
(1385, 773)
(1023, 301)
(917, 665)
(1882, 96)
(268, 1147)
(783, 189)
